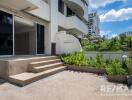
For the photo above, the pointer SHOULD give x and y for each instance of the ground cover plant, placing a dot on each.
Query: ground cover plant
(112, 66)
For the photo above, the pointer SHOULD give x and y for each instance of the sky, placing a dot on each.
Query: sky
(115, 16)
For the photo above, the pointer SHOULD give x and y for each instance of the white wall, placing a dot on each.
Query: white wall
(43, 10)
(53, 19)
(66, 43)
(107, 54)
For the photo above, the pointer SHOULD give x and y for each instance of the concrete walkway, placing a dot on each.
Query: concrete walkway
(67, 85)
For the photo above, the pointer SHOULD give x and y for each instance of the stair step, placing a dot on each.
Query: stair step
(26, 78)
(45, 67)
(37, 59)
(46, 62)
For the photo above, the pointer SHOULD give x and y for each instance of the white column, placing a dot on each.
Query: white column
(53, 19)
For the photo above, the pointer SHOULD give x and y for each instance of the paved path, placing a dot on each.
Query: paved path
(67, 85)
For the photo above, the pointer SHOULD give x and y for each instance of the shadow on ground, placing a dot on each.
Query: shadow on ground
(2, 81)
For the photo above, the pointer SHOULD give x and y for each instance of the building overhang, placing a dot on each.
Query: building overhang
(18, 4)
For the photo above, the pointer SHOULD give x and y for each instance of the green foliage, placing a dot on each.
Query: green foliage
(129, 65)
(115, 68)
(122, 42)
(79, 59)
(112, 67)
(76, 58)
(97, 62)
(84, 42)
(89, 48)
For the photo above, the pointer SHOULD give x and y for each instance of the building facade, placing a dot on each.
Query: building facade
(35, 27)
(93, 28)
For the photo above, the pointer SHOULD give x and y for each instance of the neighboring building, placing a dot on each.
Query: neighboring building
(127, 33)
(30, 27)
(93, 28)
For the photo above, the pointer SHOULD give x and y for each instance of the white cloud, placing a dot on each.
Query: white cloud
(120, 15)
(108, 34)
(114, 35)
(105, 33)
(102, 3)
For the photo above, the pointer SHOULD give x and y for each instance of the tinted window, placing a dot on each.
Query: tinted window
(6, 33)
(61, 6)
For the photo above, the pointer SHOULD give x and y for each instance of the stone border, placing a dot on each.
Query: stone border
(86, 69)
(117, 78)
(110, 78)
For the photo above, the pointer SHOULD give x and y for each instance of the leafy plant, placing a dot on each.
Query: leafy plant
(84, 42)
(115, 68)
(97, 62)
(76, 58)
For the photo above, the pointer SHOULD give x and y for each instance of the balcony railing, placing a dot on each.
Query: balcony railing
(73, 23)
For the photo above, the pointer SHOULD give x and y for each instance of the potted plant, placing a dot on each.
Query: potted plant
(116, 72)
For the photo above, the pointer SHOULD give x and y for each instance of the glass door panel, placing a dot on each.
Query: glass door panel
(6, 33)
(40, 39)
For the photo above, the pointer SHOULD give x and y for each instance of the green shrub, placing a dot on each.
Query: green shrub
(76, 58)
(84, 42)
(115, 68)
(97, 62)
(129, 65)
(79, 59)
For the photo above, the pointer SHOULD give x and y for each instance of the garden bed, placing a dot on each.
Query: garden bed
(115, 70)
(86, 69)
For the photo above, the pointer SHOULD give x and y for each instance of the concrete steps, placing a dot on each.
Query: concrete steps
(26, 78)
(38, 68)
(46, 62)
(45, 67)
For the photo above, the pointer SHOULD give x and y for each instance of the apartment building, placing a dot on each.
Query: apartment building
(93, 29)
(37, 27)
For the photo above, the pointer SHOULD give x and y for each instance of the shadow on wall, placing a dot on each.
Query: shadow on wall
(66, 43)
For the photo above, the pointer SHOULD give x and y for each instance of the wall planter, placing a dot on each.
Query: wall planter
(129, 79)
(86, 69)
(117, 78)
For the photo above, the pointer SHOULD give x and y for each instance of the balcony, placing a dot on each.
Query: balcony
(76, 5)
(18, 4)
(73, 24)
(43, 10)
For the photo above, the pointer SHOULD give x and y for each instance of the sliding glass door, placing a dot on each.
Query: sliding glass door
(6, 33)
(40, 39)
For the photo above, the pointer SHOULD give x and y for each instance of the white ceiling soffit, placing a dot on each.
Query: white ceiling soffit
(18, 4)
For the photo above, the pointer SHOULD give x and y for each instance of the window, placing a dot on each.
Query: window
(40, 39)
(61, 6)
(6, 33)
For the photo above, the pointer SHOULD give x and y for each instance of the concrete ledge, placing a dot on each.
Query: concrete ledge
(86, 69)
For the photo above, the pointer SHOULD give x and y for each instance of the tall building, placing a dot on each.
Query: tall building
(32, 27)
(93, 28)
